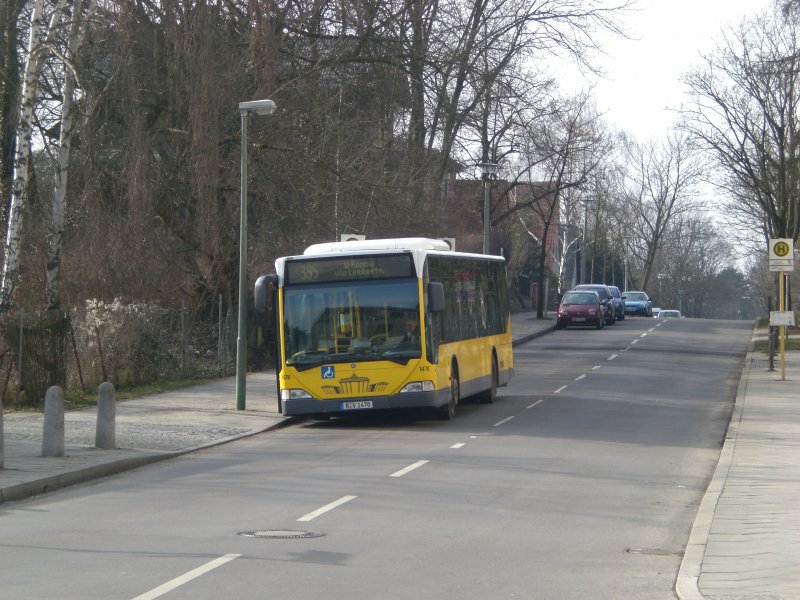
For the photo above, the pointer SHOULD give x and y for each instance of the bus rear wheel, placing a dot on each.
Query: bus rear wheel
(448, 411)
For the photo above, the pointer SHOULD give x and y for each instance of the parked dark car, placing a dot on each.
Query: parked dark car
(606, 298)
(580, 308)
(638, 303)
(619, 303)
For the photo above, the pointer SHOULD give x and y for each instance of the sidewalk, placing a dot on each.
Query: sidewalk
(148, 429)
(744, 544)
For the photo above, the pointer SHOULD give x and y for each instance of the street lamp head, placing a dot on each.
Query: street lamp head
(488, 169)
(260, 107)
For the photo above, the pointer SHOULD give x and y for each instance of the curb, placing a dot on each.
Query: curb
(687, 585)
(532, 336)
(62, 480)
(28, 489)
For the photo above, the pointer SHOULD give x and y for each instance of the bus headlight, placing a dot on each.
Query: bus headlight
(418, 386)
(295, 395)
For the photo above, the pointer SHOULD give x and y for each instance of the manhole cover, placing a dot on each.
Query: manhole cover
(281, 534)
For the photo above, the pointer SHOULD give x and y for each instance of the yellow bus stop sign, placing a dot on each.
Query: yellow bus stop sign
(781, 254)
(781, 248)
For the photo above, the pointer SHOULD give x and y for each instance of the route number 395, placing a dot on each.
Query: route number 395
(309, 272)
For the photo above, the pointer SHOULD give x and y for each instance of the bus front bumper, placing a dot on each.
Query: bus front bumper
(311, 406)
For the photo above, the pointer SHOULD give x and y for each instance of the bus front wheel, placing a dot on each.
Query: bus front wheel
(448, 411)
(490, 395)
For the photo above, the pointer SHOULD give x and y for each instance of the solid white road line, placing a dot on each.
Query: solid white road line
(186, 577)
(326, 508)
(506, 420)
(409, 468)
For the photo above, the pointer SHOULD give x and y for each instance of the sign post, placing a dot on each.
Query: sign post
(781, 259)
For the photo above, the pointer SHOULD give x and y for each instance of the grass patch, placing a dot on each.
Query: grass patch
(790, 344)
(82, 399)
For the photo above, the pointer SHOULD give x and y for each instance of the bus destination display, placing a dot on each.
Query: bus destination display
(350, 268)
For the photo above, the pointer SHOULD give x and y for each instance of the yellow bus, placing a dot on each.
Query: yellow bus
(346, 317)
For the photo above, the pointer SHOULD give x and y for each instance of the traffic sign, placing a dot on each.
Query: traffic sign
(781, 317)
(781, 254)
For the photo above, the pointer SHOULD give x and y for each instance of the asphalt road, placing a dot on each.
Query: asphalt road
(581, 481)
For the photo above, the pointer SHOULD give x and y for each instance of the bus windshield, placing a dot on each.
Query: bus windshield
(359, 320)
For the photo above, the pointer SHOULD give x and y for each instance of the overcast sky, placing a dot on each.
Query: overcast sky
(643, 74)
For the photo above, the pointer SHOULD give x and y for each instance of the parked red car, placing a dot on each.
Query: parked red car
(581, 308)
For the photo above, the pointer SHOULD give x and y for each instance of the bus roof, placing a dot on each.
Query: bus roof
(417, 243)
(419, 247)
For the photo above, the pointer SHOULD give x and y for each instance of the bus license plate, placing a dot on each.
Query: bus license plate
(356, 405)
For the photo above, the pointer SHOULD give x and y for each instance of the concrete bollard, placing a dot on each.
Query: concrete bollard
(53, 434)
(106, 415)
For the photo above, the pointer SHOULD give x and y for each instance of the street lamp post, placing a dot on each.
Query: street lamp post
(260, 107)
(487, 170)
(661, 277)
(625, 266)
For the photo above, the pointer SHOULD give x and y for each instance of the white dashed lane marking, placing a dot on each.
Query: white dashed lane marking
(186, 577)
(409, 468)
(326, 508)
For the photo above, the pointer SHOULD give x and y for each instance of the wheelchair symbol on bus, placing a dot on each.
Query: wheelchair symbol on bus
(328, 372)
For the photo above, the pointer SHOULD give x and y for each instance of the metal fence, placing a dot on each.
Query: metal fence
(126, 344)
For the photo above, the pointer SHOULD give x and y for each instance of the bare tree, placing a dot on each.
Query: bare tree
(562, 152)
(378, 101)
(42, 28)
(493, 66)
(693, 254)
(659, 187)
(10, 12)
(745, 115)
(68, 55)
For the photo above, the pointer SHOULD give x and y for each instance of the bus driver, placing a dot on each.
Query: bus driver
(411, 336)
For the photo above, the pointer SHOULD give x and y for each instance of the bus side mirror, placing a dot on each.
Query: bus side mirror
(435, 297)
(262, 294)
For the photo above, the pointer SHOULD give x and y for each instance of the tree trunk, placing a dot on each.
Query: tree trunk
(22, 160)
(55, 241)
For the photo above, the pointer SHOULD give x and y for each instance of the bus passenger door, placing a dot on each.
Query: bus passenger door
(433, 320)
